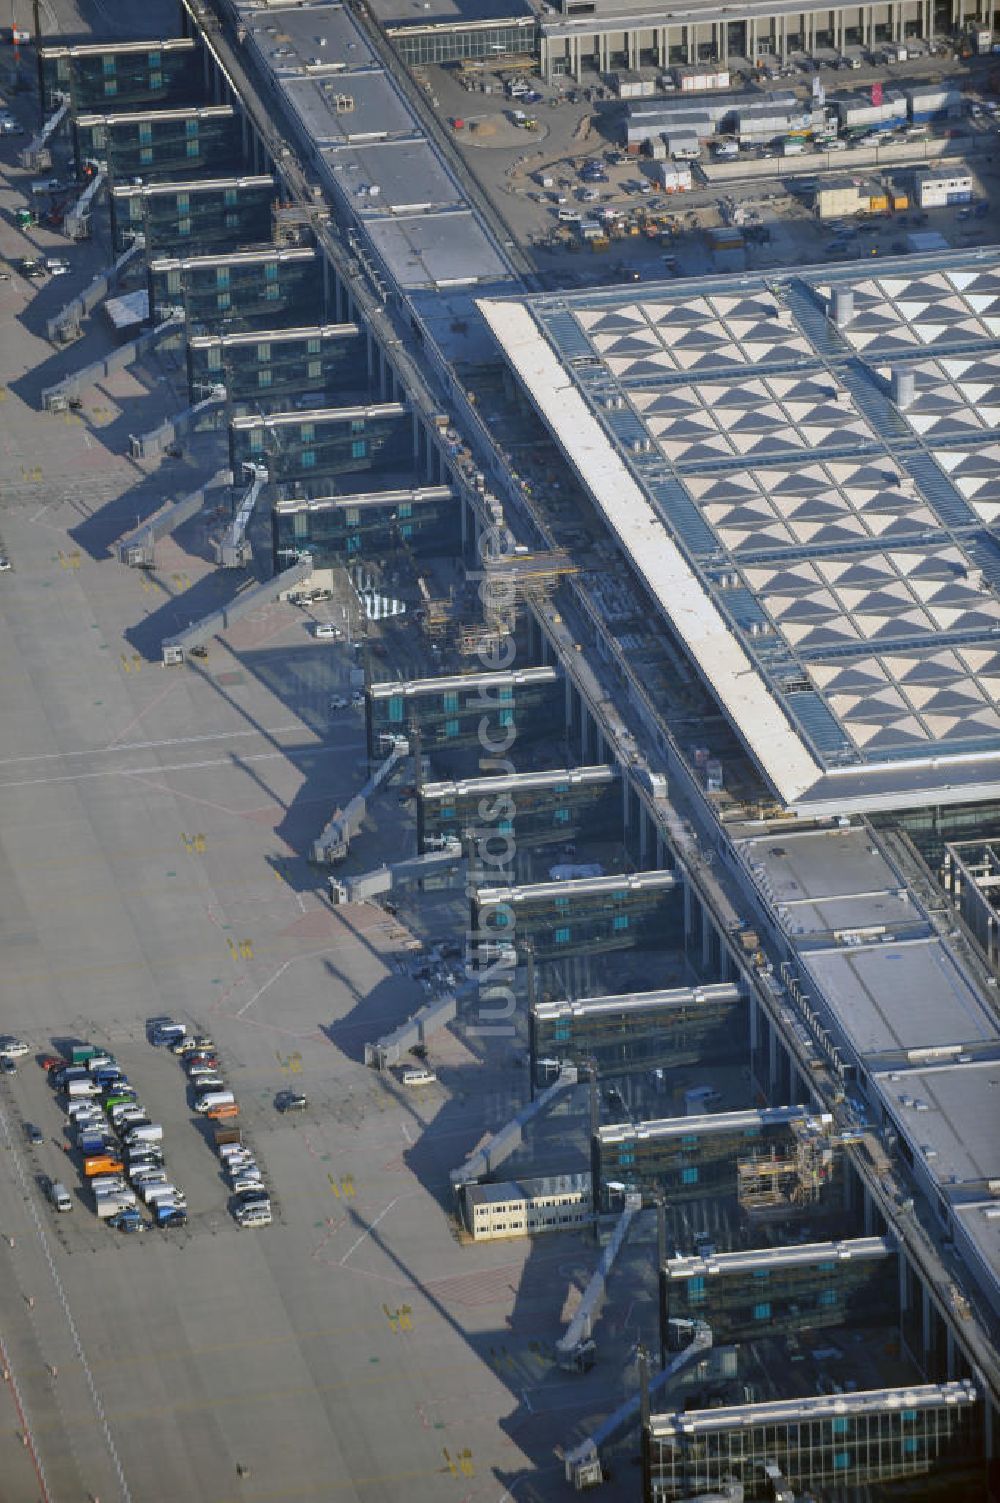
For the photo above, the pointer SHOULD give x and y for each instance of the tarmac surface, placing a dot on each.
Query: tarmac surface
(152, 825)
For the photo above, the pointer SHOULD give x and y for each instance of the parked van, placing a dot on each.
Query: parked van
(60, 1197)
(84, 1111)
(79, 1090)
(151, 1192)
(213, 1099)
(223, 1113)
(102, 1163)
(254, 1215)
(102, 1184)
(418, 1075)
(207, 1080)
(150, 1132)
(119, 1098)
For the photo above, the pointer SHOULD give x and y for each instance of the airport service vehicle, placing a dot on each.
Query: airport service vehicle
(78, 1089)
(223, 1113)
(213, 1099)
(109, 1206)
(151, 1132)
(102, 1163)
(415, 1076)
(253, 1215)
(168, 1216)
(33, 1134)
(60, 1196)
(151, 1191)
(165, 1031)
(101, 1184)
(127, 1220)
(207, 1080)
(290, 1101)
(12, 1047)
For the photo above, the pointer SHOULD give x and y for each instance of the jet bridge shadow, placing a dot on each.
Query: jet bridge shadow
(179, 611)
(100, 531)
(549, 1406)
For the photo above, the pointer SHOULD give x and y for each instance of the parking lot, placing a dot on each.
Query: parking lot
(664, 234)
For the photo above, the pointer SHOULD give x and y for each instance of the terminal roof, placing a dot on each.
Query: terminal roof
(824, 552)
(371, 150)
(787, 1411)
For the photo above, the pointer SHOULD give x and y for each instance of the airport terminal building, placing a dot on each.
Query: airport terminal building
(608, 35)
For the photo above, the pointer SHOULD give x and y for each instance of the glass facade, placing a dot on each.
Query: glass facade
(742, 1295)
(311, 451)
(862, 1439)
(176, 144)
(513, 37)
(539, 810)
(584, 918)
(522, 707)
(687, 1158)
(248, 290)
(269, 369)
(130, 75)
(195, 216)
(685, 1027)
(350, 529)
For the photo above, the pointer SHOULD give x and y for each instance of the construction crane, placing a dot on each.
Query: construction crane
(37, 154)
(232, 550)
(77, 221)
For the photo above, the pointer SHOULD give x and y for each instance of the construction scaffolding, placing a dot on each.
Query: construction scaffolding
(787, 1176)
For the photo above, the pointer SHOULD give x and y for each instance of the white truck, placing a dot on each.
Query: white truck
(159, 1190)
(109, 1205)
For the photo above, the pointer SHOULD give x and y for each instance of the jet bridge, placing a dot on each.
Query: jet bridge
(137, 548)
(36, 155)
(485, 1161)
(232, 550)
(67, 392)
(64, 326)
(576, 1350)
(335, 841)
(77, 221)
(383, 879)
(192, 641)
(583, 1463)
(148, 445)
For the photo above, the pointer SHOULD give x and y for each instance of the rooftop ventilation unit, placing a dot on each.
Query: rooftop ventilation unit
(842, 307)
(904, 388)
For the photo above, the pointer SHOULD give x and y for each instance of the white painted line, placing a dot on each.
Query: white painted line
(258, 994)
(130, 746)
(368, 1231)
(15, 1158)
(138, 772)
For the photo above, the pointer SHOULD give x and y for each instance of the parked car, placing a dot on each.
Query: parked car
(7, 1065)
(290, 1101)
(326, 631)
(128, 1220)
(12, 1047)
(33, 1134)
